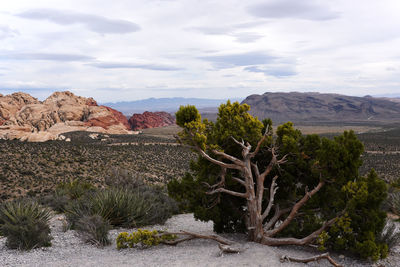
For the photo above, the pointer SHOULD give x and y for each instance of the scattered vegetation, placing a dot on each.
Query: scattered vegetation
(25, 223)
(37, 168)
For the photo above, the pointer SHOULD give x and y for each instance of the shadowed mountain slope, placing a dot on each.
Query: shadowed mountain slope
(297, 107)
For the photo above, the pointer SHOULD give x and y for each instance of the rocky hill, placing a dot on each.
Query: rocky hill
(151, 120)
(26, 118)
(300, 107)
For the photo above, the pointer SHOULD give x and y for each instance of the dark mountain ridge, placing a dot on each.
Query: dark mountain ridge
(300, 107)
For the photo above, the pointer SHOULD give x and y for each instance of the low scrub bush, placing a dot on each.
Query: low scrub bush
(74, 189)
(94, 230)
(122, 208)
(390, 235)
(25, 224)
(142, 238)
(65, 192)
(165, 206)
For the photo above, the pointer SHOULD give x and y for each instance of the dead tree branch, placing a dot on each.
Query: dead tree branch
(272, 192)
(224, 244)
(295, 209)
(315, 258)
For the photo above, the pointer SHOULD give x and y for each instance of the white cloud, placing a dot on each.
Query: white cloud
(94, 23)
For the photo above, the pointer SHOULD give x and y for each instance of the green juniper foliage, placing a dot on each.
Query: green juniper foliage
(355, 199)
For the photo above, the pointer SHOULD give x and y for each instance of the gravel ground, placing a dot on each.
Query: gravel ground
(68, 250)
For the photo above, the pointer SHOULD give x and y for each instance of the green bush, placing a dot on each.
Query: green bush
(121, 208)
(142, 238)
(94, 230)
(25, 224)
(158, 214)
(74, 189)
(65, 192)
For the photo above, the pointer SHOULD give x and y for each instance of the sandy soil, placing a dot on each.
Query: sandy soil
(68, 250)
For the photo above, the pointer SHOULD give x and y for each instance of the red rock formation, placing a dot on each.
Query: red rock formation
(113, 117)
(150, 120)
(26, 118)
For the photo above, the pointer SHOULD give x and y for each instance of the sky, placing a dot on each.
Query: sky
(125, 50)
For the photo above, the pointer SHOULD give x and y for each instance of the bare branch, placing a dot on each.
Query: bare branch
(271, 241)
(295, 209)
(239, 143)
(277, 215)
(270, 165)
(223, 190)
(220, 163)
(315, 258)
(282, 160)
(272, 192)
(192, 235)
(229, 157)
(254, 153)
(221, 183)
(255, 169)
(240, 181)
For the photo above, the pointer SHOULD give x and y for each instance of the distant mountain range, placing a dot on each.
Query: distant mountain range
(167, 104)
(301, 107)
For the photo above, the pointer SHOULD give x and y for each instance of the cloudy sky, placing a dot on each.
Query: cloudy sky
(134, 49)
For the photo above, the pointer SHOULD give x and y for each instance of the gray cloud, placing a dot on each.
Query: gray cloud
(94, 23)
(115, 65)
(43, 56)
(222, 30)
(231, 30)
(276, 71)
(247, 37)
(6, 32)
(304, 9)
(243, 59)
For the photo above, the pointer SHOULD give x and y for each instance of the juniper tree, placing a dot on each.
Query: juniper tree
(286, 189)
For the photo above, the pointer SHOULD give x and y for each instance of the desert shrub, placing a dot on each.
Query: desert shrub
(390, 234)
(120, 207)
(66, 192)
(94, 230)
(393, 202)
(56, 201)
(159, 213)
(25, 224)
(142, 238)
(122, 178)
(74, 189)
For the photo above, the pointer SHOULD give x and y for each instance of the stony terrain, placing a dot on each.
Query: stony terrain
(299, 107)
(68, 250)
(26, 118)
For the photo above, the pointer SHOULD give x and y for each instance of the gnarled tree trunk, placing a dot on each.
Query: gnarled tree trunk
(261, 226)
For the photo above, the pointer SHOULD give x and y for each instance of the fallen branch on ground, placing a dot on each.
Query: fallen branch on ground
(315, 258)
(224, 245)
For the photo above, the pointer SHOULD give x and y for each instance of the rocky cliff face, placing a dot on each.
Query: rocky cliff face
(26, 118)
(150, 120)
